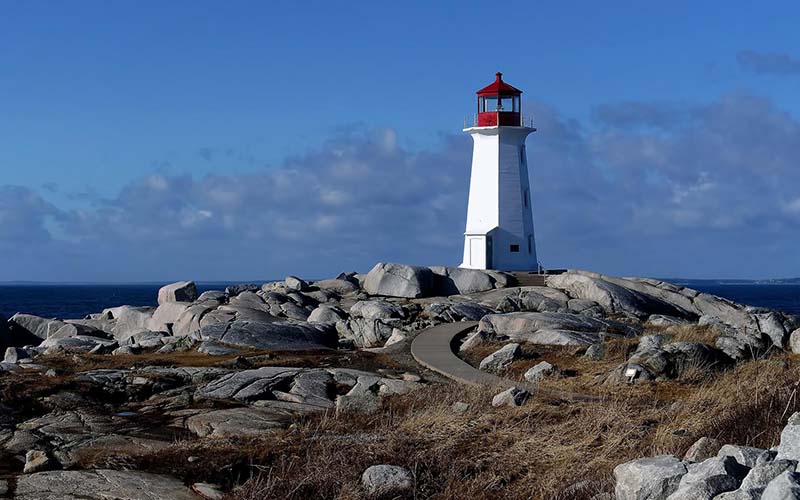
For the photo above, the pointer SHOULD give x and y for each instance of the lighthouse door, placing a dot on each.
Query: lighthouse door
(489, 252)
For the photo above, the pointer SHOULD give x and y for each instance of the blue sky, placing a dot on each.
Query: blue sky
(242, 140)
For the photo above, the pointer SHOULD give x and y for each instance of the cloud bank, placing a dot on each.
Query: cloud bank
(769, 63)
(645, 188)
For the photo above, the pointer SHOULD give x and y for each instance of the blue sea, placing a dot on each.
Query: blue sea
(76, 301)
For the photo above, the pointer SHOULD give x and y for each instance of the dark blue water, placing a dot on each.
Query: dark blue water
(76, 301)
(784, 298)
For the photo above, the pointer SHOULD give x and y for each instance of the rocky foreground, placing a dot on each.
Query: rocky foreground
(90, 406)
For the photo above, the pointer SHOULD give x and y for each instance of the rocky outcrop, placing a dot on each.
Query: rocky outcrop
(276, 335)
(553, 328)
(458, 281)
(100, 485)
(657, 359)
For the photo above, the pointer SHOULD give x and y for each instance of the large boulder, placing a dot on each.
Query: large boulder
(648, 478)
(277, 335)
(166, 315)
(399, 280)
(387, 480)
(129, 320)
(327, 314)
(34, 326)
(180, 291)
(553, 328)
(458, 281)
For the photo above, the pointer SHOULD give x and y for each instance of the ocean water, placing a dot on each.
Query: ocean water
(76, 301)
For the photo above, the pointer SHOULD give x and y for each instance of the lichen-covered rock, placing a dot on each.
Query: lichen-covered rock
(501, 359)
(513, 396)
(745, 455)
(648, 478)
(295, 283)
(325, 313)
(789, 447)
(702, 449)
(387, 480)
(709, 478)
(539, 371)
(399, 280)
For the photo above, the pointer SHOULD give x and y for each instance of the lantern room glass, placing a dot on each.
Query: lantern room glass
(491, 104)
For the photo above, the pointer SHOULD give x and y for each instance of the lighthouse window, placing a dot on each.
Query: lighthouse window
(514, 248)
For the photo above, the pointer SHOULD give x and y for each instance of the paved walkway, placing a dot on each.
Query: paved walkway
(433, 349)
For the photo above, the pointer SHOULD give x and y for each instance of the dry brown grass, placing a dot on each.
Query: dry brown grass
(548, 449)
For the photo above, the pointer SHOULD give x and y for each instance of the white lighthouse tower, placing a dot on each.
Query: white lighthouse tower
(499, 232)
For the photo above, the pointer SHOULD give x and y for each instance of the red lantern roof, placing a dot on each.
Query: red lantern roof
(499, 87)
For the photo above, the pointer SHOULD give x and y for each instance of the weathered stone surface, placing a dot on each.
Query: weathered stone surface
(295, 283)
(654, 361)
(648, 478)
(513, 396)
(276, 335)
(709, 478)
(217, 295)
(337, 286)
(702, 449)
(399, 280)
(794, 341)
(33, 326)
(248, 385)
(81, 343)
(327, 314)
(529, 298)
(166, 315)
(100, 485)
(129, 320)
(387, 480)
(789, 447)
(235, 422)
(539, 371)
(376, 309)
(213, 348)
(459, 281)
(757, 479)
(613, 297)
(234, 290)
(553, 328)
(208, 491)
(37, 461)
(181, 291)
(786, 486)
(15, 354)
(501, 359)
(745, 455)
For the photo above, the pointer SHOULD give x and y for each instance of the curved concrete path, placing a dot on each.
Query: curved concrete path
(433, 349)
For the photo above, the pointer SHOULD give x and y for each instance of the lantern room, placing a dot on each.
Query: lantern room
(499, 104)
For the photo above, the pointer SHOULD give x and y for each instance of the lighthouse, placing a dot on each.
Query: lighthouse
(499, 233)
